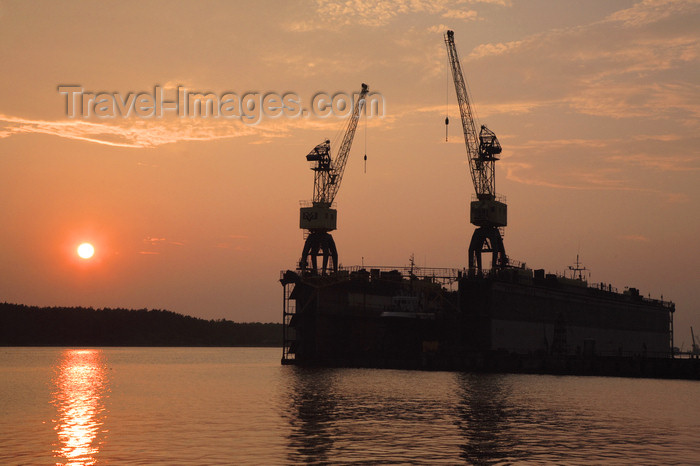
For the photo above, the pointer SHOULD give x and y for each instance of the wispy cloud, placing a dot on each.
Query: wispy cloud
(605, 68)
(130, 133)
(158, 245)
(666, 163)
(139, 133)
(438, 29)
(651, 11)
(635, 238)
(469, 15)
(581, 179)
(486, 110)
(331, 14)
(560, 144)
(675, 198)
(525, 173)
(235, 242)
(499, 48)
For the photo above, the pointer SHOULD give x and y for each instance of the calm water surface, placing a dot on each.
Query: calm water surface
(239, 406)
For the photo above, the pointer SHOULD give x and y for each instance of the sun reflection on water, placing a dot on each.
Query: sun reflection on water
(80, 387)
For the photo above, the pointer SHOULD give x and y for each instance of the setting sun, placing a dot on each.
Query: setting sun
(86, 250)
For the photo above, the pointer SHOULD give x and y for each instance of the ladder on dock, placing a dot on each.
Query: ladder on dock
(288, 329)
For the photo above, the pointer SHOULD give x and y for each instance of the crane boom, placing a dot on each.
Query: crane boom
(465, 110)
(341, 158)
(482, 148)
(486, 212)
(329, 170)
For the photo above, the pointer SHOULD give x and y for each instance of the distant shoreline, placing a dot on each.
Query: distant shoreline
(22, 325)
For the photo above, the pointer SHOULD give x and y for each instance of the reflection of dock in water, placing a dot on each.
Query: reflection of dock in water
(484, 418)
(312, 412)
(342, 416)
(348, 415)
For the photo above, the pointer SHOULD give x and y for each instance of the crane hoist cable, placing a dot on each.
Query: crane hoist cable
(365, 140)
(447, 95)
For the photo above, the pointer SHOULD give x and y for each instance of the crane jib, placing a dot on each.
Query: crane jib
(481, 147)
(329, 170)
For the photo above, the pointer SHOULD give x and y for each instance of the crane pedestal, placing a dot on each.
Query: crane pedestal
(486, 239)
(319, 243)
(488, 215)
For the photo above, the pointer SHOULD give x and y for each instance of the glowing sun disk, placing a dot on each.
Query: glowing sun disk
(86, 250)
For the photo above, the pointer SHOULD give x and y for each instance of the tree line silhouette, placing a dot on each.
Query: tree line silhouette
(22, 325)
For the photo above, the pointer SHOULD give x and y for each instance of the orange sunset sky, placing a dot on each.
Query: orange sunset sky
(596, 105)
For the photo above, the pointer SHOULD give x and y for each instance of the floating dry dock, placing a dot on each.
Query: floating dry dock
(507, 320)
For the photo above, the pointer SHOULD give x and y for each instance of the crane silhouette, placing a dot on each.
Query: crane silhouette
(487, 212)
(319, 217)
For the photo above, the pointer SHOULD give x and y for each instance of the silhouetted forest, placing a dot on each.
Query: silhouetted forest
(77, 326)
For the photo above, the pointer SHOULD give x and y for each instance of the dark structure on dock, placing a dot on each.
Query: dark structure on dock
(506, 318)
(510, 320)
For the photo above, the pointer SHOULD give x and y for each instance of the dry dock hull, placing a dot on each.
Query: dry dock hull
(507, 322)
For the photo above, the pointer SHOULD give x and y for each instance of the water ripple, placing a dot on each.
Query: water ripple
(239, 406)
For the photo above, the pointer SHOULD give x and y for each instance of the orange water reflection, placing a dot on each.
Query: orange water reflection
(80, 390)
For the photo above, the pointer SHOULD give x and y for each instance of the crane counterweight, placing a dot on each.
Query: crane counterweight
(317, 217)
